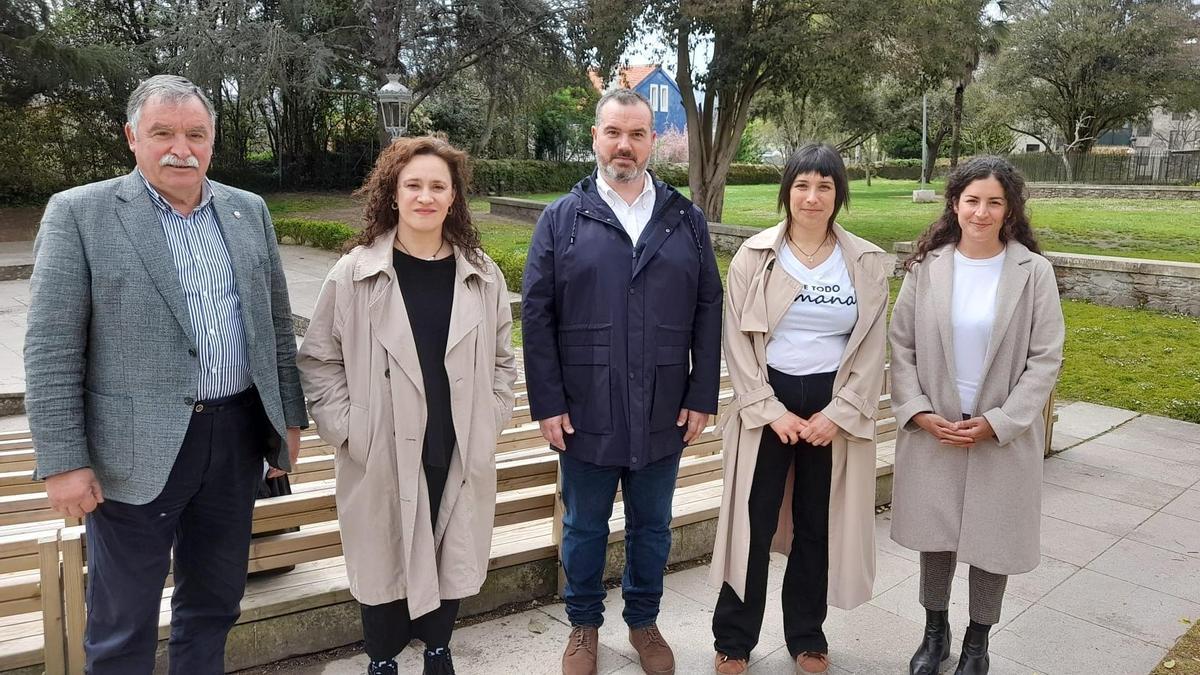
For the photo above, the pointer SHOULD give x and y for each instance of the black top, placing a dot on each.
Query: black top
(428, 290)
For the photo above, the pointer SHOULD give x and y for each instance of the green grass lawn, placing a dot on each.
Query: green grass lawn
(884, 213)
(1135, 359)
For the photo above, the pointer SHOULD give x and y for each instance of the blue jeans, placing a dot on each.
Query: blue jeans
(588, 494)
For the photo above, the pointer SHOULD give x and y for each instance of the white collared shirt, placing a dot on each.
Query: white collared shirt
(634, 217)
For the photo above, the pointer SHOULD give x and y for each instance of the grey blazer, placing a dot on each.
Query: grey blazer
(109, 352)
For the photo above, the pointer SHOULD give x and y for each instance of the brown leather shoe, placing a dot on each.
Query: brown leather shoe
(812, 662)
(580, 655)
(653, 651)
(729, 666)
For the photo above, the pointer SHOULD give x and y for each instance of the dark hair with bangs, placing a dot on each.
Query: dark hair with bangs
(820, 158)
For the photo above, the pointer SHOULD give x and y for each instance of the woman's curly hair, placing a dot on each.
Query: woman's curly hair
(380, 192)
(945, 230)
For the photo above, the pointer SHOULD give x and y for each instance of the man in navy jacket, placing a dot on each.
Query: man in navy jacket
(622, 335)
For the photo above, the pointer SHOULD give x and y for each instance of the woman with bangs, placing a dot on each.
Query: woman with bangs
(408, 367)
(804, 342)
(977, 342)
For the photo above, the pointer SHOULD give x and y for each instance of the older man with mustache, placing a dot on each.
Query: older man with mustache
(161, 368)
(622, 325)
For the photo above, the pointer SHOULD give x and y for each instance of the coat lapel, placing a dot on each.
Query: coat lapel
(467, 311)
(145, 230)
(941, 278)
(241, 245)
(389, 316)
(1013, 277)
(771, 291)
(869, 293)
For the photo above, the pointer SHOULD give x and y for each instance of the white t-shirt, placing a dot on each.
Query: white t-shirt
(812, 335)
(972, 313)
(635, 216)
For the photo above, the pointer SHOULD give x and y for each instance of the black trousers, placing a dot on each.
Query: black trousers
(738, 621)
(388, 628)
(204, 512)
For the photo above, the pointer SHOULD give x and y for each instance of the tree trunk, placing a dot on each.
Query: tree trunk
(713, 135)
(1066, 160)
(956, 128)
(934, 145)
(489, 125)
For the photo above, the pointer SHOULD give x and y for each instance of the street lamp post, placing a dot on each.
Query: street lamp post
(395, 101)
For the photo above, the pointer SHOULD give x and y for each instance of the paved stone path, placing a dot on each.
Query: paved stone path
(1119, 578)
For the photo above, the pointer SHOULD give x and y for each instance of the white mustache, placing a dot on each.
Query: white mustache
(172, 160)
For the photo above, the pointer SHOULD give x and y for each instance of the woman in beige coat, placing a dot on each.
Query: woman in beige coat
(408, 367)
(804, 343)
(977, 339)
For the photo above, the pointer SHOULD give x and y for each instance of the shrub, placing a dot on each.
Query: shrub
(511, 264)
(514, 176)
(739, 174)
(327, 234)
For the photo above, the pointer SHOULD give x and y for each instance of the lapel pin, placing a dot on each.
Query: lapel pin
(237, 214)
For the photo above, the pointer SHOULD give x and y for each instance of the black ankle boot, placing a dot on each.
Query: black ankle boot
(935, 646)
(974, 659)
(387, 667)
(438, 662)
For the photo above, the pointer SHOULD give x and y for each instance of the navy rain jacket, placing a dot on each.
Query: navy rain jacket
(619, 334)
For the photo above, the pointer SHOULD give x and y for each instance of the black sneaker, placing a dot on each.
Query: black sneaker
(388, 667)
(438, 662)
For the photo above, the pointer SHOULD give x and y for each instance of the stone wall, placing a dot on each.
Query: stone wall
(1061, 190)
(1122, 282)
(1105, 280)
(517, 209)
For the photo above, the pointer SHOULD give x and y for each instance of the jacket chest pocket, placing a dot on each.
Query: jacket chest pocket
(584, 351)
(670, 375)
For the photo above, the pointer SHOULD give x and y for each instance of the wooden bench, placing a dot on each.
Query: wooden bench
(526, 528)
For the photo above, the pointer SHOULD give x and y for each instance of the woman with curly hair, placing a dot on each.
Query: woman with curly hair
(977, 340)
(408, 368)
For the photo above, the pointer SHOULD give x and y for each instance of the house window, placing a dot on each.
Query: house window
(1176, 142)
(654, 97)
(1033, 147)
(1179, 117)
(663, 94)
(1143, 130)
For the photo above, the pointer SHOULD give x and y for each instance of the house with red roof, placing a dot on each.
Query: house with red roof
(660, 89)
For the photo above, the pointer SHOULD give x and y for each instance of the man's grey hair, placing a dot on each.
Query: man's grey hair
(168, 88)
(623, 97)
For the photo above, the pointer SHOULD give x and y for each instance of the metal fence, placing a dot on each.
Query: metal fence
(1135, 168)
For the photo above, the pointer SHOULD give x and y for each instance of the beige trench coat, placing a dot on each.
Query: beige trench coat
(758, 296)
(984, 503)
(359, 367)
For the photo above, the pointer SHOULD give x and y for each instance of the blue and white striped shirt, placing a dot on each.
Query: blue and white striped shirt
(213, 303)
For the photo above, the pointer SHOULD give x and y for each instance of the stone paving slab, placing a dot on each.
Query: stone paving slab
(1135, 490)
(14, 253)
(1082, 420)
(14, 305)
(1099, 453)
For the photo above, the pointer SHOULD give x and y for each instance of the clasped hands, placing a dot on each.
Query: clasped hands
(817, 430)
(962, 434)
